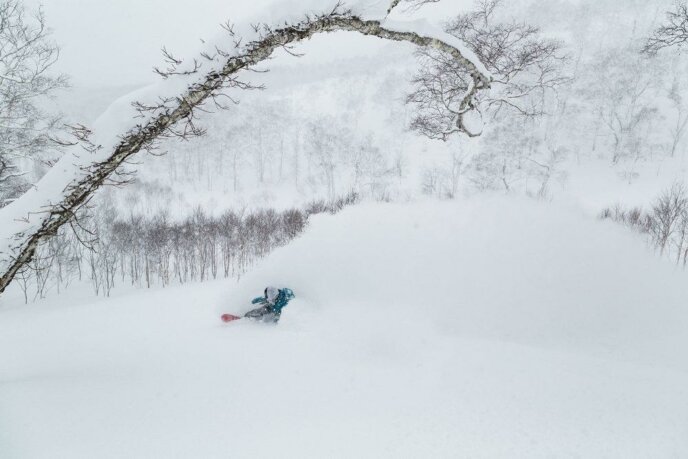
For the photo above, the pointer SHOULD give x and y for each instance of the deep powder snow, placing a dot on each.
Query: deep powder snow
(488, 328)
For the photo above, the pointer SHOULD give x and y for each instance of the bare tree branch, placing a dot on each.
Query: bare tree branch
(673, 33)
(525, 66)
(172, 111)
(412, 4)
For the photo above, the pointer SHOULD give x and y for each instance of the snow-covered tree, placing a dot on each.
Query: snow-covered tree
(677, 94)
(170, 109)
(524, 64)
(27, 131)
(622, 89)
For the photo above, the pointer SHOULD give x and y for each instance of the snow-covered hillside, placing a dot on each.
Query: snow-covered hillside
(482, 328)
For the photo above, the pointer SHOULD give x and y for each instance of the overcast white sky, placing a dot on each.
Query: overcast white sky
(117, 42)
(113, 42)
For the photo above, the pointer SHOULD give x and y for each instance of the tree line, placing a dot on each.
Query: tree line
(665, 224)
(144, 251)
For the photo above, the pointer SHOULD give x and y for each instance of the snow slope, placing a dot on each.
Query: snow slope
(483, 328)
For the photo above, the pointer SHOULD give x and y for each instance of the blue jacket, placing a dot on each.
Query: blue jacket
(284, 297)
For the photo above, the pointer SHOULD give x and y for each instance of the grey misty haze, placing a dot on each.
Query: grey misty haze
(114, 43)
(117, 42)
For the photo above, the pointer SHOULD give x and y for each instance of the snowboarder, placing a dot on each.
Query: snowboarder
(272, 302)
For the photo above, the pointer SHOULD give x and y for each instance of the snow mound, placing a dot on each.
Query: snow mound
(490, 328)
(499, 269)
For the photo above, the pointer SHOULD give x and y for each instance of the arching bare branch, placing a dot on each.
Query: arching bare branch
(163, 118)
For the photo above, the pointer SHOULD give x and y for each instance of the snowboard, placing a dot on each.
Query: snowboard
(229, 317)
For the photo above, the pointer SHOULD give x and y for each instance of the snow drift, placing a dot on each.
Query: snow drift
(490, 328)
(509, 272)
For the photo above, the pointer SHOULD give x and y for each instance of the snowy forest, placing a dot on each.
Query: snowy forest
(570, 90)
(512, 173)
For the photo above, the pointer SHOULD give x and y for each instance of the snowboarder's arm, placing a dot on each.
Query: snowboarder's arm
(259, 300)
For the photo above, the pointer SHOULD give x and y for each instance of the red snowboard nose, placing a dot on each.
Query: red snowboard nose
(229, 317)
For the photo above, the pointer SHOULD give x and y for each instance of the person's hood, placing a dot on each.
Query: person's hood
(271, 294)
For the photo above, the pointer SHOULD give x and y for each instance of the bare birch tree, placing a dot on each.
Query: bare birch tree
(525, 66)
(26, 58)
(678, 102)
